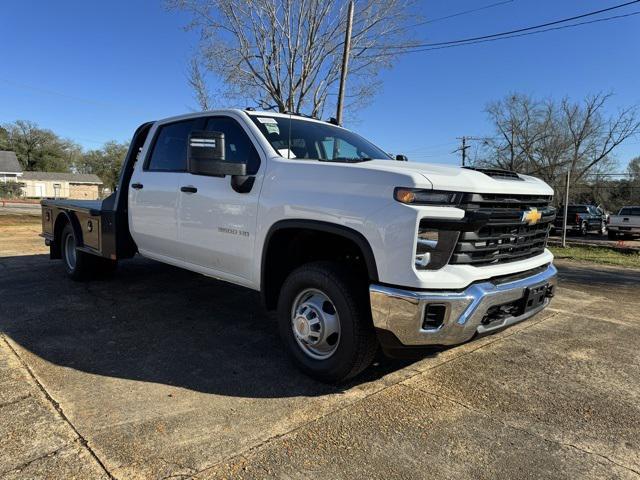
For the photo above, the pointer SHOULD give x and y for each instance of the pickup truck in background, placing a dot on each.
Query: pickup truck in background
(582, 219)
(354, 249)
(626, 223)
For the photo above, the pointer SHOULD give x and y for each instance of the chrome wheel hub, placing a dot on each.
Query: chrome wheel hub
(315, 324)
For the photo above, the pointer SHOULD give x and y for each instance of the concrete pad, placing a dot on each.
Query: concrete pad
(571, 380)
(15, 383)
(168, 373)
(69, 463)
(164, 384)
(30, 430)
(405, 433)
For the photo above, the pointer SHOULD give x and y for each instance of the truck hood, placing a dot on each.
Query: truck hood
(458, 179)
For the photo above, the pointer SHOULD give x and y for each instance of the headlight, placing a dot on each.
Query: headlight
(417, 196)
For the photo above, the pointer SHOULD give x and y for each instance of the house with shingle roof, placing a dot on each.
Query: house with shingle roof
(10, 169)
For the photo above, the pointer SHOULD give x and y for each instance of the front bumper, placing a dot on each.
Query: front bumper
(465, 313)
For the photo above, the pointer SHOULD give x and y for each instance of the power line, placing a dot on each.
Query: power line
(455, 44)
(446, 17)
(508, 34)
(486, 7)
(64, 95)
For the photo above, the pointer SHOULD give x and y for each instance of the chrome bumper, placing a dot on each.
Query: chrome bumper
(402, 312)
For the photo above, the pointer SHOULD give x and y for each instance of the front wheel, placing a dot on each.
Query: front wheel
(325, 321)
(603, 228)
(612, 235)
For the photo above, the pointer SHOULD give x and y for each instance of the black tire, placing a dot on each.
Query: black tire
(357, 344)
(612, 235)
(77, 264)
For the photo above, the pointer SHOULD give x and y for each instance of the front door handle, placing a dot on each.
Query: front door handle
(188, 189)
(137, 186)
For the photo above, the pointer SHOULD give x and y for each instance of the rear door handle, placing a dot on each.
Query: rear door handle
(188, 189)
(137, 186)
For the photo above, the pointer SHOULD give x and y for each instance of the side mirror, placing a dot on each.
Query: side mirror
(205, 153)
(402, 158)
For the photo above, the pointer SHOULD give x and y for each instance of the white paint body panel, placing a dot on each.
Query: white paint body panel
(355, 195)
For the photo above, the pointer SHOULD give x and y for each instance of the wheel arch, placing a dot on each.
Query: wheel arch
(62, 219)
(272, 277)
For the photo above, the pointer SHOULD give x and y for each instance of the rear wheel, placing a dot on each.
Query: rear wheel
(80, 265)
(76, 263)
(325, 321)
(603, 228)
(584, 229)
(612, 235)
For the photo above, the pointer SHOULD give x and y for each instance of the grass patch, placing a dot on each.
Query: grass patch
(598, 255)
(11, 220)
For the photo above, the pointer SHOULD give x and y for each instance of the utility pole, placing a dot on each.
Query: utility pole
(463, 148)
(566, 210)
(345, 62)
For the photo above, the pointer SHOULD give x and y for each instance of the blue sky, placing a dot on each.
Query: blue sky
(92, 71)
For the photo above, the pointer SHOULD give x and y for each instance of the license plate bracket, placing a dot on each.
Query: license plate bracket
(534, 297)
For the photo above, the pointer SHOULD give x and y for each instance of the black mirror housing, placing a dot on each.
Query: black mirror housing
(206, 155)
(402, 158)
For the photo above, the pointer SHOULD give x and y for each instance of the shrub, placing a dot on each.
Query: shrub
(11, 189)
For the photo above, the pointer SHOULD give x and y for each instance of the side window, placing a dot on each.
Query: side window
(238, 145)
(170, 147)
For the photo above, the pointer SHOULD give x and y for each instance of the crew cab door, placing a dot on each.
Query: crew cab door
(155, 187)
(217, 217)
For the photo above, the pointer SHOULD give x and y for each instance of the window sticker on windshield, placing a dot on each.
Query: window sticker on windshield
(272, 128)
(267, 120)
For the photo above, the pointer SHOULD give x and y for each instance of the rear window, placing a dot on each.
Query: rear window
(631, 211)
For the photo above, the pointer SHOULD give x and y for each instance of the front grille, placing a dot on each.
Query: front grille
(504, 238)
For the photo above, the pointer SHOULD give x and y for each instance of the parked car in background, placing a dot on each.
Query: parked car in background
(582, 219)
(627, 222)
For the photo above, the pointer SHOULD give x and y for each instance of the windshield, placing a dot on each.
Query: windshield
(315, 140)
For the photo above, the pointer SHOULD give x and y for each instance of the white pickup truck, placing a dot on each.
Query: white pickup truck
(627, 222)
(353, 248)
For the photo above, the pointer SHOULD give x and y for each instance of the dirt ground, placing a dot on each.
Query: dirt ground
(162, 373)
(19, 235)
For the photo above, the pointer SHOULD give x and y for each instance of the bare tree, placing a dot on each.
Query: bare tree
(547, 138)
(199, 85)
(593, 137)
(285, 54)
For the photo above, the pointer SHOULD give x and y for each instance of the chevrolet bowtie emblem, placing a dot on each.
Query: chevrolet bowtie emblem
(531, 217)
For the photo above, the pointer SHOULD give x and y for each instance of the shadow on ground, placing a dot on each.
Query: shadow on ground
(154, 323)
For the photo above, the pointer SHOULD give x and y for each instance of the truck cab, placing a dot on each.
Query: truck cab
(354, 249)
